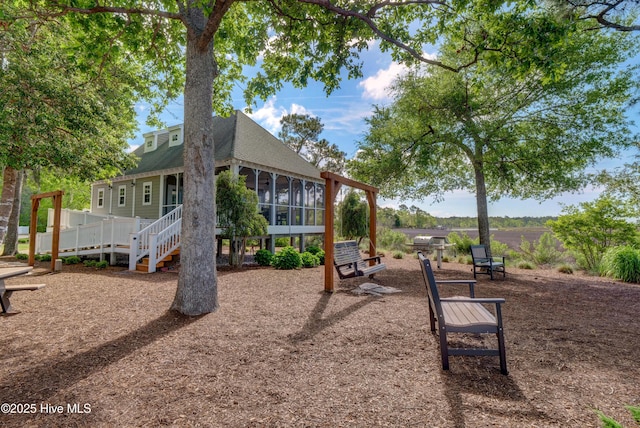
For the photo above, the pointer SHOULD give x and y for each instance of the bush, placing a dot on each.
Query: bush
(320, 256)
(398, 255)
(621, 263)
(22, 256)
(568, 269)
(523, 264)
(313, 249)
(263, 257)
(43, 257)
(309, 260)
(71, 260)
(282, 242)
(462, 244)
(96, 264)
(287, 258)
(544, 250)
(391, 240)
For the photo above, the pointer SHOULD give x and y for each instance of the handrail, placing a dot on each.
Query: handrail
(141, 245)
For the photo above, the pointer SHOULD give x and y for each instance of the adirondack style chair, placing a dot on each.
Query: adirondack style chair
(485, 264)
(462, 315)
(349, 262)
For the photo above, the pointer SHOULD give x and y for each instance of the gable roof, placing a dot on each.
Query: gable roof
(236, 137)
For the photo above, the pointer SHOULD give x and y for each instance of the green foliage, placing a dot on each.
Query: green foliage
(398, 254)
(282, 242)
(353, 216)
(96, 264)
(589, 230)
(71, 260)
(316, 251)
(302, 134)
(544, 251)
(287, 258)
(524, 264)
(565, 268)
(609, 422)
(22, 256)
(462, 243)
(237, 212)
(391, 240)
(263, 257)
(621, 263)
(43, 257)
(309, 260)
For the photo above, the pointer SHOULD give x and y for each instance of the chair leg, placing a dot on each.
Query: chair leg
(432, 318)
(502, 351)
(444, 349)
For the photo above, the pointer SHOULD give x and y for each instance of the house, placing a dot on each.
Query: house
(290, 190)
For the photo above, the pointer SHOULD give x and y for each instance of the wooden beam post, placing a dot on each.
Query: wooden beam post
(371, 198)
(329, 197)
(33, 225)
(33, 230)
(55, 242)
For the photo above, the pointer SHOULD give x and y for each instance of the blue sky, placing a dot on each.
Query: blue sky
(343, 114)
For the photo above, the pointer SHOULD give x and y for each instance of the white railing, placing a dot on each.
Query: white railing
(106, 236)
(72, 218)
(156, 240)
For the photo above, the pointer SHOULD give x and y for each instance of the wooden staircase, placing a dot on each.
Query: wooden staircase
(143, 266)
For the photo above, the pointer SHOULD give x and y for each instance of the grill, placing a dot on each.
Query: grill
(428, 244)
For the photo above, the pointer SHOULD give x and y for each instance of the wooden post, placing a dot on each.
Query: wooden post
(33, 230)
(55, 242)
(371, 198)
(329, 197)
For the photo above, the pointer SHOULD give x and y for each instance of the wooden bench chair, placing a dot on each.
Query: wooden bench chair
(7, 290)
(462, 315)
(485, 264)
(349, 262)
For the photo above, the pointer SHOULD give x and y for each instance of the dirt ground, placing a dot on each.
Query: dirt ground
(99, 348)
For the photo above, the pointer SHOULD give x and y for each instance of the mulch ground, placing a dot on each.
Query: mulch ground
(282, 352)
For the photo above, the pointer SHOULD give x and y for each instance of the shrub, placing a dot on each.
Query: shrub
(22, 256)
(320, 256)
(313, 249)
(398, 255)
(43, 257)
(287, 258)
(71, 260)
(89, 263)
(391, 240)
(544, 250)
(462, 244)
(564, 268)
(282, 242)
(309, 260)
(263, 257)
(23, 240)
(621, 263)
(523, 264)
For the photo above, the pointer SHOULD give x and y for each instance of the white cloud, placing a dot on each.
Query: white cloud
(376, 86)
(270, 114)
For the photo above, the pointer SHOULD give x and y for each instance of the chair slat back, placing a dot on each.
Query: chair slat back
(430, 284)
(479, 252)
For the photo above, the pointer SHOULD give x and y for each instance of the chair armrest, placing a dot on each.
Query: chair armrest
(372, 258)
(498, 258)
(345, 264)
(471, 282)
(496, 301)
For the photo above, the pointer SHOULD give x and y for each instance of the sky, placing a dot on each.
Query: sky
(343, 114)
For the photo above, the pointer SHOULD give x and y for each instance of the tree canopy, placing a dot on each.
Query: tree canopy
(494, 131)
(302, 134)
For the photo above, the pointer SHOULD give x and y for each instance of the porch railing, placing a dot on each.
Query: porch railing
(157, 240)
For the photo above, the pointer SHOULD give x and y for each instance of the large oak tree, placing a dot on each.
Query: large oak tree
(496, 129)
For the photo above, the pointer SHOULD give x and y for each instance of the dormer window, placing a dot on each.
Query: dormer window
(175, 135)
(150, 142)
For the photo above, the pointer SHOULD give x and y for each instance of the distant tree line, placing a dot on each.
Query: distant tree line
(415, 217)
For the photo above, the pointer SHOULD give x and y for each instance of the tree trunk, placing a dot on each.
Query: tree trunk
(9, 178)
(11, 239)
(483, 211)
(197, 291)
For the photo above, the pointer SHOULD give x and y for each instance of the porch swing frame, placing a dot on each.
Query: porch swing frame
(333, 182)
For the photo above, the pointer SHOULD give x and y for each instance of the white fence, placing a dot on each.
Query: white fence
(72, 218)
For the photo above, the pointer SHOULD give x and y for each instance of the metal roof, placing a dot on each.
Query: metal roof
(236, 137)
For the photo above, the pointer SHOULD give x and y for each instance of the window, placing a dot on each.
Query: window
(122, 196)
(100, 198)
(146, 193)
